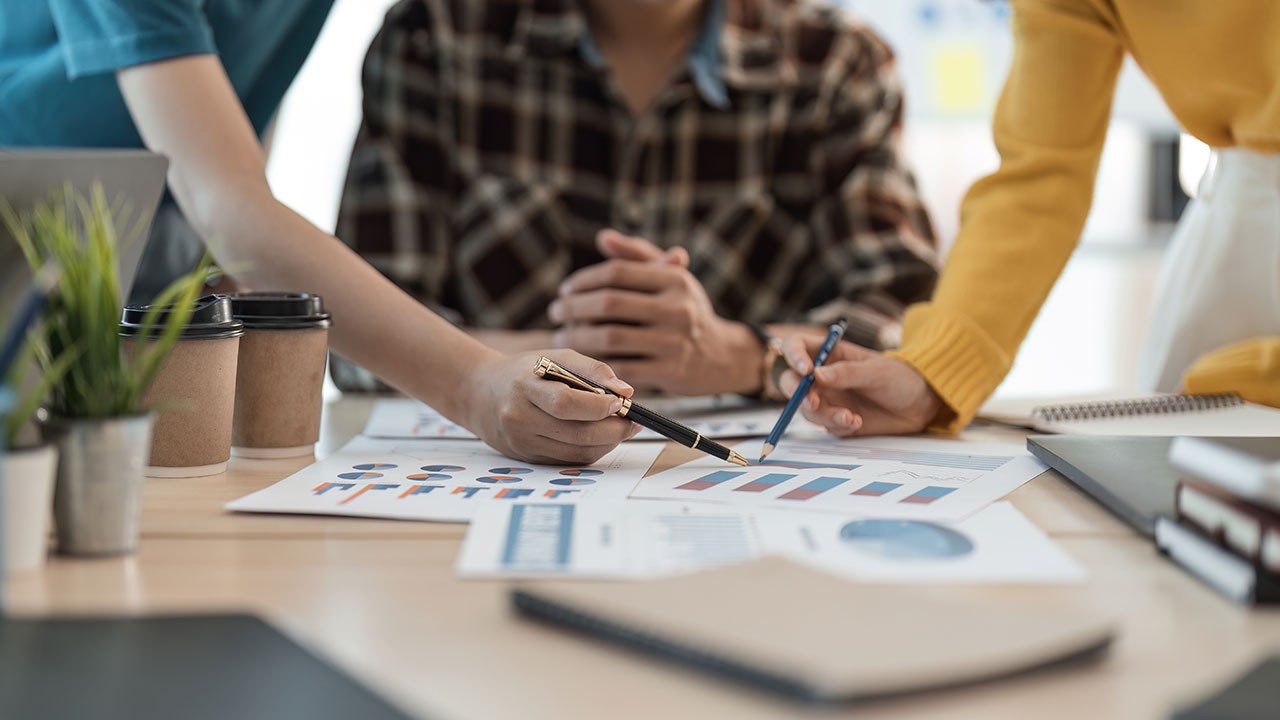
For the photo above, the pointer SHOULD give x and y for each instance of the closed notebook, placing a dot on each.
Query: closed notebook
(789, 629)
(1160, 416)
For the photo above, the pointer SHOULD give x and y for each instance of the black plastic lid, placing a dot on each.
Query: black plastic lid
(279, 311)
(211, 320)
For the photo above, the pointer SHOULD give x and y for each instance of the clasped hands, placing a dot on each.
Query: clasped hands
(645, 314)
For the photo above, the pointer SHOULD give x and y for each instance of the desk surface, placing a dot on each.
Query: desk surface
(379, 598)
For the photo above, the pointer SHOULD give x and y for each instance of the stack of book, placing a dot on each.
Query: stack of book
(1227, 529)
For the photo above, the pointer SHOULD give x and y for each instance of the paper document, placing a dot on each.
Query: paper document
(444, 480)
(404, 418)
(642, 540)
(870, 477)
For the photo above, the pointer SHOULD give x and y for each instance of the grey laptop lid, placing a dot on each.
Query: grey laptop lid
(136, 177)
(1130, 476)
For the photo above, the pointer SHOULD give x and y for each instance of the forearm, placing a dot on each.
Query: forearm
(186, 110)
(267, 246)
(513, 341)
(1019, 225)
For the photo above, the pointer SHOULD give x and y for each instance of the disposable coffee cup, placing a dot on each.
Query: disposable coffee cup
(194, 391)
(279, 388)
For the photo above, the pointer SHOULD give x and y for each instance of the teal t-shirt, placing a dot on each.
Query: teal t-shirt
(58, 59)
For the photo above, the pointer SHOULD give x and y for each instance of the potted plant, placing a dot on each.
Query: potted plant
(27, 465)
(96, 413)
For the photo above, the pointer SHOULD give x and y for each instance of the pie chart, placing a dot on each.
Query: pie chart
(373, 466)
(905, 540)
(498, 479)
(359, 475)
(581, 472)
(430, 477)
(510, 470)
(573, 481)
(442, 468)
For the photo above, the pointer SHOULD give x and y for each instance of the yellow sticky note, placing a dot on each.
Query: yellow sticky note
(959, 78)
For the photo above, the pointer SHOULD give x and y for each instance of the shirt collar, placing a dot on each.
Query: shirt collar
(748, 58)
(703, 58)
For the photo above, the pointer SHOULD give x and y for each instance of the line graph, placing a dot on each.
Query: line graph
(926, 477)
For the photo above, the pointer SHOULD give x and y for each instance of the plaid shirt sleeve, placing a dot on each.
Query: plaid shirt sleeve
(871, 222)
(401, 170)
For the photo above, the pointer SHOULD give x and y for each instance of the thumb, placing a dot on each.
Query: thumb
(677, 257)
(602, 374)
(850, 374)
(614, 245)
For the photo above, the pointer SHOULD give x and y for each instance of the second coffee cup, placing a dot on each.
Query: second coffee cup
(194, 391)
(279, 388)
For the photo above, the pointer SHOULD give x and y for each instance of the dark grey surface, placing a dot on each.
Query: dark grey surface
(1251, 697)
(1130, 476)
(191, 667)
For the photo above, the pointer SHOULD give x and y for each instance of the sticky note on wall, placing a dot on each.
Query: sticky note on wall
(959, 78)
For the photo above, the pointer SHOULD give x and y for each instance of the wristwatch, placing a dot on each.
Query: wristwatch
(772, 365)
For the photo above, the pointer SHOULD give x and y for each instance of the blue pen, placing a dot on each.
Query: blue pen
(802, 390)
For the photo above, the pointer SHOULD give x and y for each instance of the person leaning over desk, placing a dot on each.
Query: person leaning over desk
(741, 156)
(1217, 311)
(198, 81)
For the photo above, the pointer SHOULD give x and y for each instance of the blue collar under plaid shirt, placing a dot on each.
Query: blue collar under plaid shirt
(495, 145)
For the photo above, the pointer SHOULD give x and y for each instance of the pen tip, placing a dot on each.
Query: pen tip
(737, 459)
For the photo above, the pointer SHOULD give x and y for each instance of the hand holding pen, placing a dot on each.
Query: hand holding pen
(801, 390)
(859, 391)
(548, 369)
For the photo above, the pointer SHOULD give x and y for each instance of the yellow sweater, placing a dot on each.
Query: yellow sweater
(1217, 64)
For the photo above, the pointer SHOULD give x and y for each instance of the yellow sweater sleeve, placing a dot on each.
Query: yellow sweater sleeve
(1019, 225)
(1250, 369)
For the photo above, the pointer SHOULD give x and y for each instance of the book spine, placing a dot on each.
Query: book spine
(1234, 471)
(1217, 568)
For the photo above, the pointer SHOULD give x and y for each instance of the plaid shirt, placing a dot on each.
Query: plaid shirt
(493, 149)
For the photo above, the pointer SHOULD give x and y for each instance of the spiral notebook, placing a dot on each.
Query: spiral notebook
(1154, 415)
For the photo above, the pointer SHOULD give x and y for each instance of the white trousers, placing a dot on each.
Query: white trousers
(1221, 278)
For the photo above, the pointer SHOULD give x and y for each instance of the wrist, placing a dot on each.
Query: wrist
(746, 353)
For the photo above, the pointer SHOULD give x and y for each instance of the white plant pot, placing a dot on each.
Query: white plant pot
(27, 478)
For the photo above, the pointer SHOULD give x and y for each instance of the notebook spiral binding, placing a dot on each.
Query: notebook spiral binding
(1163, 405)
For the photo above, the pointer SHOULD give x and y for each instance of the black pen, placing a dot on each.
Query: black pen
(547, 369)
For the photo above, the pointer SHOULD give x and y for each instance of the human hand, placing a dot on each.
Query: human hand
(532, 419)
(643, 311)
(859, 391)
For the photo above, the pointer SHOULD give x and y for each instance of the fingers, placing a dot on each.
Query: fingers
(646, 277)
(677, 257)
(593, 370)
(849, 375)
(834, 417)
(799, 351)
(613, 340)
(599, 306)
(614, 245)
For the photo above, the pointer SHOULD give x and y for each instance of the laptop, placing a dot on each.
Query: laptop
(1130, 476)
(28, 177)
(199, 667)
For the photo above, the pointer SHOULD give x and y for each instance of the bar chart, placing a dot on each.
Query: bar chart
(890, 477)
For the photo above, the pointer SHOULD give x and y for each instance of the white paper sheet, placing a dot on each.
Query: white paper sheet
(917, 478)
(441, 480)
(641, 540)
(404, 418)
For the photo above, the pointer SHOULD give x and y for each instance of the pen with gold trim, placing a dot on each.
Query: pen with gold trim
(548, 369)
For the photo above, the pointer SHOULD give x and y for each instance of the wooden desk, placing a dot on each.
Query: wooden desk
(380, 599)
